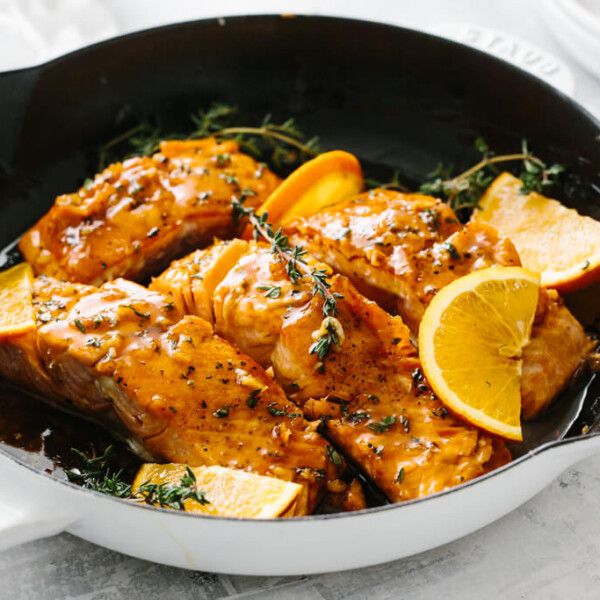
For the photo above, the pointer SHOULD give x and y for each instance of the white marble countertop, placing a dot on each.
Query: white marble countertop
(549, 548)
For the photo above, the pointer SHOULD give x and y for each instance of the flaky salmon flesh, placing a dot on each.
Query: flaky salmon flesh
(401, 249)
(136, 216)
(187, 395)
(375, 403)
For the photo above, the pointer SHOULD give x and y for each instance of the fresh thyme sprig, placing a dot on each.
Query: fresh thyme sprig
(464, 191)
(393, 184)
(281, 144)
(285, 141)
(296, 269)
(95, 474)
(142, 140)
(172, 496)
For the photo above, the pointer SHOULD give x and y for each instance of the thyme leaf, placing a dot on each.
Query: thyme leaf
(141, 315)
(172, 496)
(400, 476)
(323, 346)
(383, 424)
(271, 291)
(333, 456)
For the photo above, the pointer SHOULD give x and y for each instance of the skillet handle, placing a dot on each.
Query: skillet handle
(23, 522)
(31, 507)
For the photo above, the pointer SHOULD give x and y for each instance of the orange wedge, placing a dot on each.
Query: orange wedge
(16, 290)
(553, 240)
(471, 340)
(325, 180)
(230, 493)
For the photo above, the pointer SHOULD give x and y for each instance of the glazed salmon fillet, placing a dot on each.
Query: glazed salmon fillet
(136, 216)
(20, 359)
(375, 404)
(185, 394)
(401, 249)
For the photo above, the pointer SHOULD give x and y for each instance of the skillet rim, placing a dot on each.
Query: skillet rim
(399, 30)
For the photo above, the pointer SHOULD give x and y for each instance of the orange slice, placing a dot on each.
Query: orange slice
(16, 289)
(230, 493)
(553, 240)
(471, 340)
(325, 180)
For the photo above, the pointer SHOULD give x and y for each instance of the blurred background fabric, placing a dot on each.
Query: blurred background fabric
(33, 31)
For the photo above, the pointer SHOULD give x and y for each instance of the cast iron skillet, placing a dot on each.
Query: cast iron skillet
(396, 98)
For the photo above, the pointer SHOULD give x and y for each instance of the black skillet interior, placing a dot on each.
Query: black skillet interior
(396, 98)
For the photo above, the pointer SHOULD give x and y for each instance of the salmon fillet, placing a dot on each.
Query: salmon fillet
(401, 249)
(370, 393)
(20, 360)
(136, 216)
(185, 394)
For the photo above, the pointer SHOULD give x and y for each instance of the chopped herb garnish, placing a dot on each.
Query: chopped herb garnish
(252, 400)
(322, 347)
(231, 179)
(430, 217)
(274, 410)
(271, 291)
(333, 456)
(377, 449)
(94, 342)
(88, 184)
(358, 416)
(400, 476)
(223, 159)
(80, 325)
(405, 423)
(141, 315)
(383, 424)
(440, 412)
(419, 382)
(153, 232)
(452, 251)
(222, 412)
